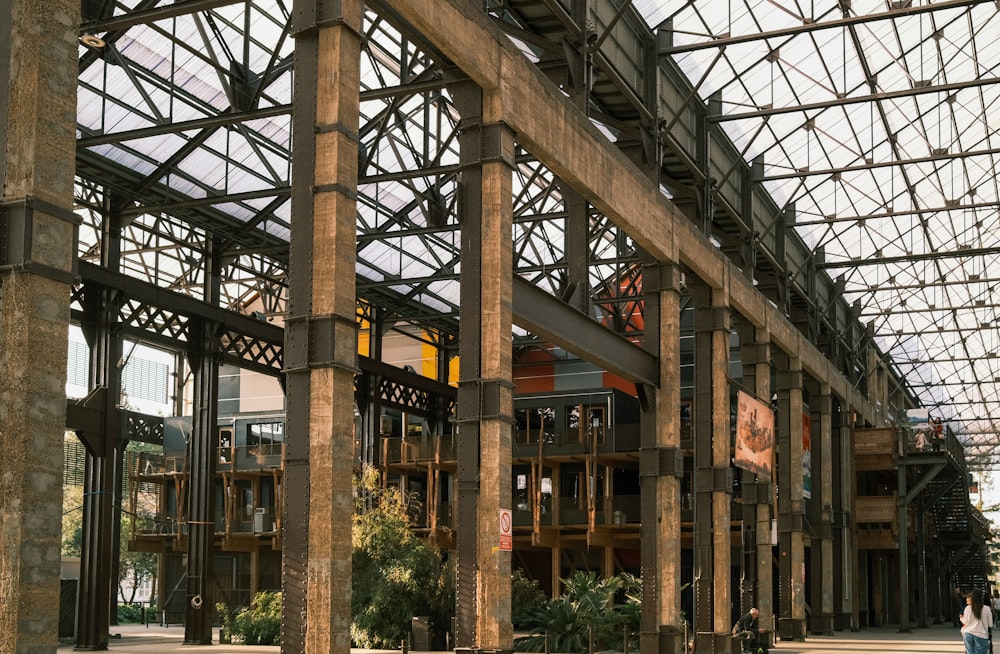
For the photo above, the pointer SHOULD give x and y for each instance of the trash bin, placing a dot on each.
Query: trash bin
(420, 632)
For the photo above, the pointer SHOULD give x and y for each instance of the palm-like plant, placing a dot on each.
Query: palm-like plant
(588, 609)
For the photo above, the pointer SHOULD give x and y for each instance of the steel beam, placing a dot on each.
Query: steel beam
(962, 253)
(209, 122)
(103, 334)
(145, 292)
(930, 309)
(723, 41)
(897, 162)
(888, 215)
(145, 16)
(572, 330)
(201, 461)
(211, 200)
(873, 97)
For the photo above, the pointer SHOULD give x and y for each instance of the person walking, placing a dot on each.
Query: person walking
(977, 620)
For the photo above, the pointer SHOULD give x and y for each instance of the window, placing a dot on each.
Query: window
(590, 430)
(265, 438)
(225, 445)
(535, 424)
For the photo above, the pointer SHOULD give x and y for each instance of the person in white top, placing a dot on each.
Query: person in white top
(977, 620)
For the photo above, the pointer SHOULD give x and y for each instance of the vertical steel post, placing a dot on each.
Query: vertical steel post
(201, 463)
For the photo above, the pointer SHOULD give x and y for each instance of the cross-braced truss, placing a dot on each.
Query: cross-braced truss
(870, 124)
(875, 121)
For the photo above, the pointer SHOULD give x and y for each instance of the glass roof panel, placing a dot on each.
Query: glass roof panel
(876, 122)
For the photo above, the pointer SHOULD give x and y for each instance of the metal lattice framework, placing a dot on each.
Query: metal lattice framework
(873, 120)
(868, 124)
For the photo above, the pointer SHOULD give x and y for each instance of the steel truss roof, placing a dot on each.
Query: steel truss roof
(874, 120)
(872, 124)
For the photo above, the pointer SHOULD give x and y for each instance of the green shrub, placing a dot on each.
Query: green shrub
(260, 623)
(526, 599)
(591, 608)
(395, 575)
(130, 613)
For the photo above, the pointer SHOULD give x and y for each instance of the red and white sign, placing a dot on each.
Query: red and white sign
(506, 530)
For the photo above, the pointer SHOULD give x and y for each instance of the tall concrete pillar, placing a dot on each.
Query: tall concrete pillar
(821, 596)
(921, 562)
(848, 608)
(791, 513)
(713, 474)
(485, 406)
(903, 557)
(38, 80)
(661, 466)
(321, 330)
(757, 490)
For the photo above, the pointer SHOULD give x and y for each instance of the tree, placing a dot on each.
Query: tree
(72, 520)
(134, 568)
(395, 576)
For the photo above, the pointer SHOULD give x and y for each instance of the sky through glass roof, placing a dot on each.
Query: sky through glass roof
(877, 123)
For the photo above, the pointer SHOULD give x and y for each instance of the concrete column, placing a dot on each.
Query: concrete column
(758, 490)
(791, 548)
(713, 473)
(821, 513)
(38, 81)
(321, 330)
(852, 584)
(903, 556)
(661, 466)
(485, 389)
(722, 493)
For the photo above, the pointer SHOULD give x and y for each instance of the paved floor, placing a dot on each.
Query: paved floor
(137, 639)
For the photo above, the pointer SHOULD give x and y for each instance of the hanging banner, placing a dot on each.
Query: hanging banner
(807, 475)
(754, 435)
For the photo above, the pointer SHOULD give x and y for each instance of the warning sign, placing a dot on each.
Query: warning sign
(506, 530)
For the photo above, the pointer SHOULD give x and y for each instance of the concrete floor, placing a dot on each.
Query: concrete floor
(938, 639)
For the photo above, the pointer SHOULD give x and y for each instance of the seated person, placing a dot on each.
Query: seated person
(752, 635)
